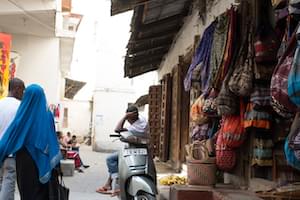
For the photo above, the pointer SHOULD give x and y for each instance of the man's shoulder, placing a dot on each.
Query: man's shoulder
(9, 101)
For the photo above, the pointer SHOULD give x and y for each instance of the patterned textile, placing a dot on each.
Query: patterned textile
(229, 49)
(263, 72)
(262, 148)
(256, 119)
(227, 102)
(200, 132)
(202, 55)
(279, 84)
(294, 77)
(218, 46)
(260, 96)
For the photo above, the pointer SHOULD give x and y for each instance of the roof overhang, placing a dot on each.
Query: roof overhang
(142, 100)
(120, 6)
(72, 87)
(154, 25)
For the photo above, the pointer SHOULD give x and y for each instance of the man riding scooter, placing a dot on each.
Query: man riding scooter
(138, 126)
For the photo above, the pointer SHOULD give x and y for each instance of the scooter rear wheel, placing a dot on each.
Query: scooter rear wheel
(144, 196)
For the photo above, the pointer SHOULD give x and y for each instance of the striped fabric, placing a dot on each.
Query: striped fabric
(261, 96)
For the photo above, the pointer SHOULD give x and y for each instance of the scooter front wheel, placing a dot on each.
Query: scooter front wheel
(144, 196)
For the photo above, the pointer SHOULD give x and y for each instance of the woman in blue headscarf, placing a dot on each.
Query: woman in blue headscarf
(32, 139)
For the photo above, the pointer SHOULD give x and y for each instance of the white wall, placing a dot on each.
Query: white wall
(185, 38)
(39, 63)
(79, 116)
(109, 107)
(28, 5)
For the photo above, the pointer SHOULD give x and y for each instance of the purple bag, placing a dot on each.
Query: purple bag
(279, 84)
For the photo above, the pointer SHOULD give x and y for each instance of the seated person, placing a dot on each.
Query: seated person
(139, 125)
(62, 147)
(74, 144)
(66, 140)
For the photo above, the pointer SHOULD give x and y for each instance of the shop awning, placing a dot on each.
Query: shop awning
(120, 6)
(72, 87)
(153, 27)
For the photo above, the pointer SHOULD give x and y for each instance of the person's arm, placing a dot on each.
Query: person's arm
(120, 126)
(64, 142)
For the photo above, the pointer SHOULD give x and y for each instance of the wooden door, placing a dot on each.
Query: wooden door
(175, 119)
(180, 113)
(184, 63)
(154, 118)
(165, 117)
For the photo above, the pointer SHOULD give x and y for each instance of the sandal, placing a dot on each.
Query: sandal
(115, 193)
(104, 190)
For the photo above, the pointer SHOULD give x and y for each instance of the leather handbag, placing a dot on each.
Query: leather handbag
(57, 188)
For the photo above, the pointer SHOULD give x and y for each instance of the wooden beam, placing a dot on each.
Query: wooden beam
(163, 37)
(151, 51)
(136, 71)
(145, 61)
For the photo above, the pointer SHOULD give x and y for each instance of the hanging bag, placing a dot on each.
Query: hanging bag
(266, 42)
(226, 100)
(196, 112)
(291, 145)
(210, 104)
(57, 188)
(241, 82)
(294, 136)
(232, 129)
(225, 156)
(281, 102)
(294, 76)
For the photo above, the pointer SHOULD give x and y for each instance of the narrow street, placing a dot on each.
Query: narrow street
(83, 185)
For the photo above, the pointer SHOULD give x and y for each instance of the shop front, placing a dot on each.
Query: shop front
(227, 102)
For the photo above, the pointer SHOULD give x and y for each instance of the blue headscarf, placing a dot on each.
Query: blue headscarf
(34, 129)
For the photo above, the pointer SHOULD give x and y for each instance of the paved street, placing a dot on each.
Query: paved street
(83, 185)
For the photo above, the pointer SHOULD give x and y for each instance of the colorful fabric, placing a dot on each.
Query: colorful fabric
(261, 96)
(293, 82)
(200, 132)
(256, 119)
(218, 46)
(202, 55)
(5, 45)
(228, 54)
(34, 129)
(279, 85)
(262, 148)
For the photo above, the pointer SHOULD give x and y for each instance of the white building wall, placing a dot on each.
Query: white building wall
(185, 38)
(28, 5)
(79, 117)
(39, 63)
(109, 107)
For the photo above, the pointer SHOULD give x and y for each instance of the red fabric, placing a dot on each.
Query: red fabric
(225, 156)
(232, 129)
(74, 155)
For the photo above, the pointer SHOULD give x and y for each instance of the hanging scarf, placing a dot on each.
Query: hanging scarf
(33, 128)
(202, 55)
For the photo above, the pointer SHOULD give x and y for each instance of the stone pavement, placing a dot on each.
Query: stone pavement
(83, 185)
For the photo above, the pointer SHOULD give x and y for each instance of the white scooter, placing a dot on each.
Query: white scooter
(137, 174)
